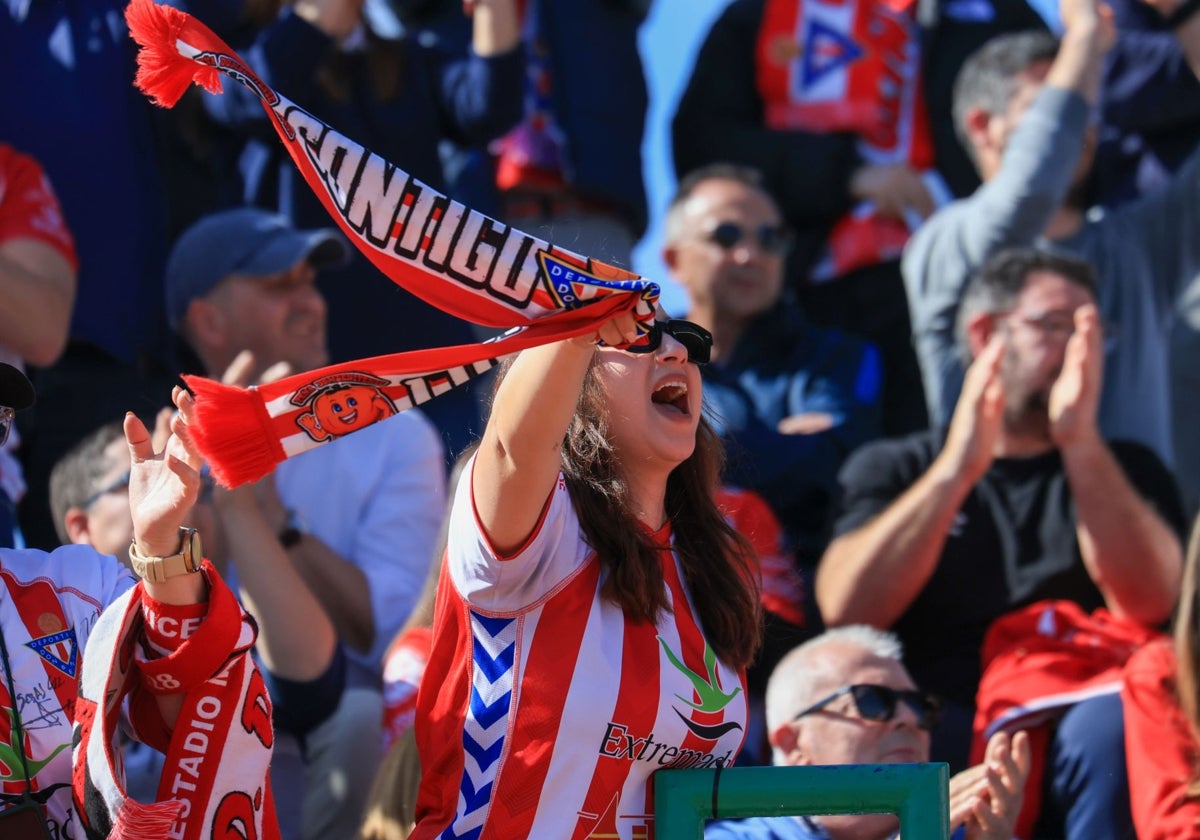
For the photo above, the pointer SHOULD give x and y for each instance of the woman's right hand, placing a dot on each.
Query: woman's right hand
(617, 331)
(336, 18)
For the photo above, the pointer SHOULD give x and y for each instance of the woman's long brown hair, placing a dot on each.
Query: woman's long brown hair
(719, 565)
(1187, 648)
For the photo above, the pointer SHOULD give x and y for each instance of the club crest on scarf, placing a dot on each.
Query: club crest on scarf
(342, 403)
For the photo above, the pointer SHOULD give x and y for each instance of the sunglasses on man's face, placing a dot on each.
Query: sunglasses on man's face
(694, 338)
(879, 703)
(7, 416)
(118, 484)
(771, 239)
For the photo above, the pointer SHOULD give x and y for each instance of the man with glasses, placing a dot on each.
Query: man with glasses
(790, 399)
(846, 698)
(1025, 107)
(1020, 500)
(89, 492)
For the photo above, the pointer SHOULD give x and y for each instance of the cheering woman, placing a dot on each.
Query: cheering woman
(595, 612)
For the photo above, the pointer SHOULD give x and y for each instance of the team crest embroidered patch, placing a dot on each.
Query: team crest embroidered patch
(60, 649)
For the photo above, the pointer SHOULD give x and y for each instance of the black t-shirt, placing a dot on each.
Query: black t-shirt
(1012, 543)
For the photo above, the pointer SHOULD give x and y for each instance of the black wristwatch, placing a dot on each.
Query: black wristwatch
(291, 533)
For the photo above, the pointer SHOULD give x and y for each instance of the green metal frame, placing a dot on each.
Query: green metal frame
(917, 793)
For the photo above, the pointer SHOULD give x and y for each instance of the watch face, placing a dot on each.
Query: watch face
(192, 551)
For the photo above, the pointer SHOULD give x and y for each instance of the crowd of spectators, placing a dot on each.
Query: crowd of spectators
(942, 304)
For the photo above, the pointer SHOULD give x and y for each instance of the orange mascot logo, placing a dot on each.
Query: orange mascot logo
(342, 403)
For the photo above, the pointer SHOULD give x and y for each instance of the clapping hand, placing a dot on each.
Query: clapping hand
(978, 416)
(987, 798)
(1075, 395)
(241, 374)
(896, 190)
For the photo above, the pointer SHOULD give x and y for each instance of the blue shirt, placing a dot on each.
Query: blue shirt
(765, 828)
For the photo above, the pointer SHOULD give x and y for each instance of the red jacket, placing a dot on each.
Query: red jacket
(1038, 662)
(1160, 749)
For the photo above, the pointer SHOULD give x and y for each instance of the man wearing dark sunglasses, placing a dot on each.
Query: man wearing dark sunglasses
(844, 697)
(790, 399)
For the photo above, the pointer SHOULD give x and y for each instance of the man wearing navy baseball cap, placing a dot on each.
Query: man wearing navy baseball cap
(253, 263)
(358, 519)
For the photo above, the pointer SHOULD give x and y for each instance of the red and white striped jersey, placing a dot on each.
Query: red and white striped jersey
(49, 604)
(544, 711)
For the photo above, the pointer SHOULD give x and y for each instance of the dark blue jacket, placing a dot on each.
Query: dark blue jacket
(1150, 107)
(600, 98)
(784, 366)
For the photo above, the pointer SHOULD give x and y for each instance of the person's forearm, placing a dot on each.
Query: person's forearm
(1079, 64)
(872, 575)
(37, 286)
(519, 457)
(179, 591)
(495, 29)
(1128, 550)
(1189, 39)
(296, 636)
(340, 587)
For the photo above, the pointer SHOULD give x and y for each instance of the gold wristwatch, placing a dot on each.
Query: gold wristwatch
(186, 561)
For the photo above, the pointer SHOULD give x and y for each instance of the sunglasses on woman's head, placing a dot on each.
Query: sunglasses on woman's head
(694, 338)
(771, 239)
(879, 702)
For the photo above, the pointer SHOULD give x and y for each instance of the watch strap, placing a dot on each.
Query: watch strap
(162, 569)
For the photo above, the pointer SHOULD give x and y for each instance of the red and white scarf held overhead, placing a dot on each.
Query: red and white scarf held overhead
(461, 261)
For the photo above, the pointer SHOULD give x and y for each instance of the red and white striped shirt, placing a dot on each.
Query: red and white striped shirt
(545, 710)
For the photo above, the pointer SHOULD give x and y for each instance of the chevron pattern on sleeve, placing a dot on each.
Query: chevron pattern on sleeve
(492, 676)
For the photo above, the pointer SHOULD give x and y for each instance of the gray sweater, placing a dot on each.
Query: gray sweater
(1144, 252)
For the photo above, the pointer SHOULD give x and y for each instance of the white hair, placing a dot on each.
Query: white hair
(805, 670)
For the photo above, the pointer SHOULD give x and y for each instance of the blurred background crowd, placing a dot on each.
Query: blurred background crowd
(948, 251)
